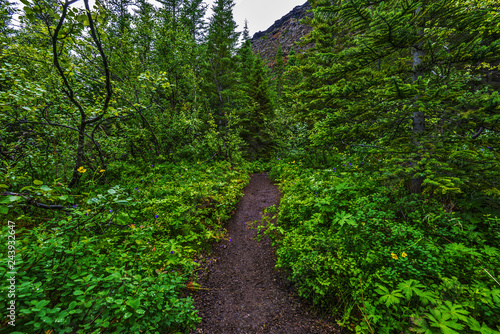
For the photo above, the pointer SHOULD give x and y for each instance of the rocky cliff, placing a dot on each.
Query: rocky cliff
(285, 31)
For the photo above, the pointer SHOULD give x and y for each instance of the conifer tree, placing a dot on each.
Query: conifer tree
(120, 9)
(258, 107)
(245, 57)
(144, 21)
(221, 45)
(400, 82)
(193, 12)
(171, 12)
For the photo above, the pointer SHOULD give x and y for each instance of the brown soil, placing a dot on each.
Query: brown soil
(245, 294)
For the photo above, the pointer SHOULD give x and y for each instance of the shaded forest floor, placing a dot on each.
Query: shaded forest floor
(245, 294)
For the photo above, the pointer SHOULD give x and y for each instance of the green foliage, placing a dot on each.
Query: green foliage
(70, 282)
(121, 158)
(119, 260)
(408, 79)
(384, 259)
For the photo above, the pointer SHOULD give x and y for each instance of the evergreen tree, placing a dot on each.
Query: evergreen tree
(246, 32)
(144, 21)
(193, 12)
(256, 94)
(171, 12)
(373, 93)
(221, 45)
(245, 56)
(120, 9)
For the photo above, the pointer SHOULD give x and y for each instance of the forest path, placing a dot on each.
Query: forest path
(245, 293)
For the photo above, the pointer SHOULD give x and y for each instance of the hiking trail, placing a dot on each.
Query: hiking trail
(245, 294)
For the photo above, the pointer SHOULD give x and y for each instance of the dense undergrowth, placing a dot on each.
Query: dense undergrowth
(120, 259)
(384, 260)
(400, 235)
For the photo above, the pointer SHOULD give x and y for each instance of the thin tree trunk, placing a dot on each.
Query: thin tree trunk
(418, 125)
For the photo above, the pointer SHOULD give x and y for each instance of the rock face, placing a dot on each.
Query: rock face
(285, 31)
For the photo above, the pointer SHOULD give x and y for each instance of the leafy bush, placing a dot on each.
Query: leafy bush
(386, 260)
(69, 282)
(118, 260)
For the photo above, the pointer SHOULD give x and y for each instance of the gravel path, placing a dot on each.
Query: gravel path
(245, 293)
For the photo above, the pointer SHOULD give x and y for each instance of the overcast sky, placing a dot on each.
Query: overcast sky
(260, 14)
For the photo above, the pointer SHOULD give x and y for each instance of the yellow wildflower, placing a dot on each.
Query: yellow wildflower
(102, 171)
(394, 256)
(81, 169)
(404, 254)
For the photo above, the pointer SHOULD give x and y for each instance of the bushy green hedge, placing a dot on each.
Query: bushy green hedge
(119, 261)
(384, 260)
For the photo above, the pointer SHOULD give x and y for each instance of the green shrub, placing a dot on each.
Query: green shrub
(118, 261)
(385, 260)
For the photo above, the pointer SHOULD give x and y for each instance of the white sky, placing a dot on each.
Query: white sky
(260, 14)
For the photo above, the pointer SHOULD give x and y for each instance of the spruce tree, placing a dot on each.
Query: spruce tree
(245, 57)
(144, 21)
(120, 9)
(221, 44)
(193, 12)
(258, 108)
(405, 76)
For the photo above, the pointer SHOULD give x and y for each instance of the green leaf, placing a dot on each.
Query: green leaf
(457, 312)
(427, 297)
(134, 303)
(9, 198)
(42, 303)
(72, 305)
(391, 298)
(443, 322)
(410, 287)
(38, 182)
(127, 315)
(47, 320)
(45, 188)
(4, 210)
(78, 292)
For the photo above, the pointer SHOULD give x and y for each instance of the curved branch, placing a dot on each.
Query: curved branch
(32, 202)
(55, 124)
(67, 88)
(478, 133)
(95, 36)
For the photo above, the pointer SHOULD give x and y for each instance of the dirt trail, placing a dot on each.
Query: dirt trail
(246, 294)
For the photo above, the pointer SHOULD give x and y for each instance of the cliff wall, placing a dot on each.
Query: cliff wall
(285, 31)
